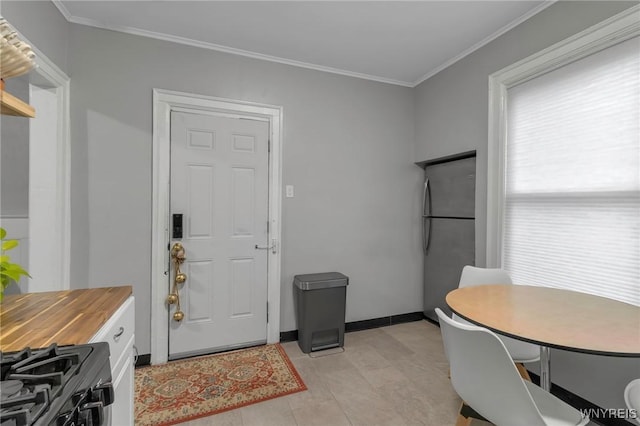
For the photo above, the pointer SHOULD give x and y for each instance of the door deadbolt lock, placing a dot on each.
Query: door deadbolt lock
(176, 230)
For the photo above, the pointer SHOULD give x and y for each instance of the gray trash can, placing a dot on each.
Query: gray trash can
(321, 302)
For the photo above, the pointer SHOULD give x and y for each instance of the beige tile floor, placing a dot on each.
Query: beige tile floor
(394, 375)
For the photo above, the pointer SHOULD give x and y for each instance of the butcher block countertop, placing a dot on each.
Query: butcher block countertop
(68, 317)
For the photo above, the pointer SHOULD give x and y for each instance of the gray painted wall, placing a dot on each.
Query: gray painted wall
(45, 27)
(42, 24)
(451, 110)
(342, 136)
(14, 147)
(348, 146)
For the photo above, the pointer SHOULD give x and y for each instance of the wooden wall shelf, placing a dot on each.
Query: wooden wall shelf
(17, 59)
(10, 105)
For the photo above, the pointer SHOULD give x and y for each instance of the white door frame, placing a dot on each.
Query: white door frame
(47, 74)
(165, 101)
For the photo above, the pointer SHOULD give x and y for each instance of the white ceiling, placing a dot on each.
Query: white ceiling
(398, 42)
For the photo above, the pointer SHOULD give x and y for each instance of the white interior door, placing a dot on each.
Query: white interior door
(219, 183)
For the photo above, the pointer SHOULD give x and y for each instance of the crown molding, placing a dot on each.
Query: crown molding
(485, 41)
(63, 9)
(219, 48)
(249, 54)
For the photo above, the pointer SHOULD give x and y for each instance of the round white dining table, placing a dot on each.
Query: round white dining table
(552, 318)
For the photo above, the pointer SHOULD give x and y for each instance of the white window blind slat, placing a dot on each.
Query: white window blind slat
(572, 176)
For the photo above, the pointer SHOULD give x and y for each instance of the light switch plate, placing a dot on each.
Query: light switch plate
(289, 191)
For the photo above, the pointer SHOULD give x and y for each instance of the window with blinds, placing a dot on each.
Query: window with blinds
(571, 202)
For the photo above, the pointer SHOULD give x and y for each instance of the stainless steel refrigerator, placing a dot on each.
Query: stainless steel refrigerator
(448, 225)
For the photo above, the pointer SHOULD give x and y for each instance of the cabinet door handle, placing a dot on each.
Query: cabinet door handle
(119, 333)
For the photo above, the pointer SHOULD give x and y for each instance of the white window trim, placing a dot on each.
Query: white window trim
(614, 30)
(165, 101)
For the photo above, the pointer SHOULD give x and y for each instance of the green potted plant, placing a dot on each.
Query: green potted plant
(9, 272)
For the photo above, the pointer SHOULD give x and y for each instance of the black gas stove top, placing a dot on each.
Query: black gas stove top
(61, 386)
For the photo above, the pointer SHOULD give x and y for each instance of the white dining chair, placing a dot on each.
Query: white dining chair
(632, 398)
(521, 352)
(484, 376)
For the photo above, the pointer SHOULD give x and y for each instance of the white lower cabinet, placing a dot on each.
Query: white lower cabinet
(122, 408)
(118, 331)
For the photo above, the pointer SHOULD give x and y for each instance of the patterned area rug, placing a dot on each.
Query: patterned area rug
(198, 387)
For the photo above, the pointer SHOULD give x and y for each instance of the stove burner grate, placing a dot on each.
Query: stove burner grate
(26, 406)
(68, 384)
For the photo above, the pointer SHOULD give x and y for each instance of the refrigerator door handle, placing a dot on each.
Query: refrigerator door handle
(426, 216)
(426, 234)
(426, 198)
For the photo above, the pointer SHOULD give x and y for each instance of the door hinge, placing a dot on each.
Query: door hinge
(267, 312)
(267, 227)
(269, 145)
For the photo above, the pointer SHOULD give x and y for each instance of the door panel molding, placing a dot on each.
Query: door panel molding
(164, 102)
